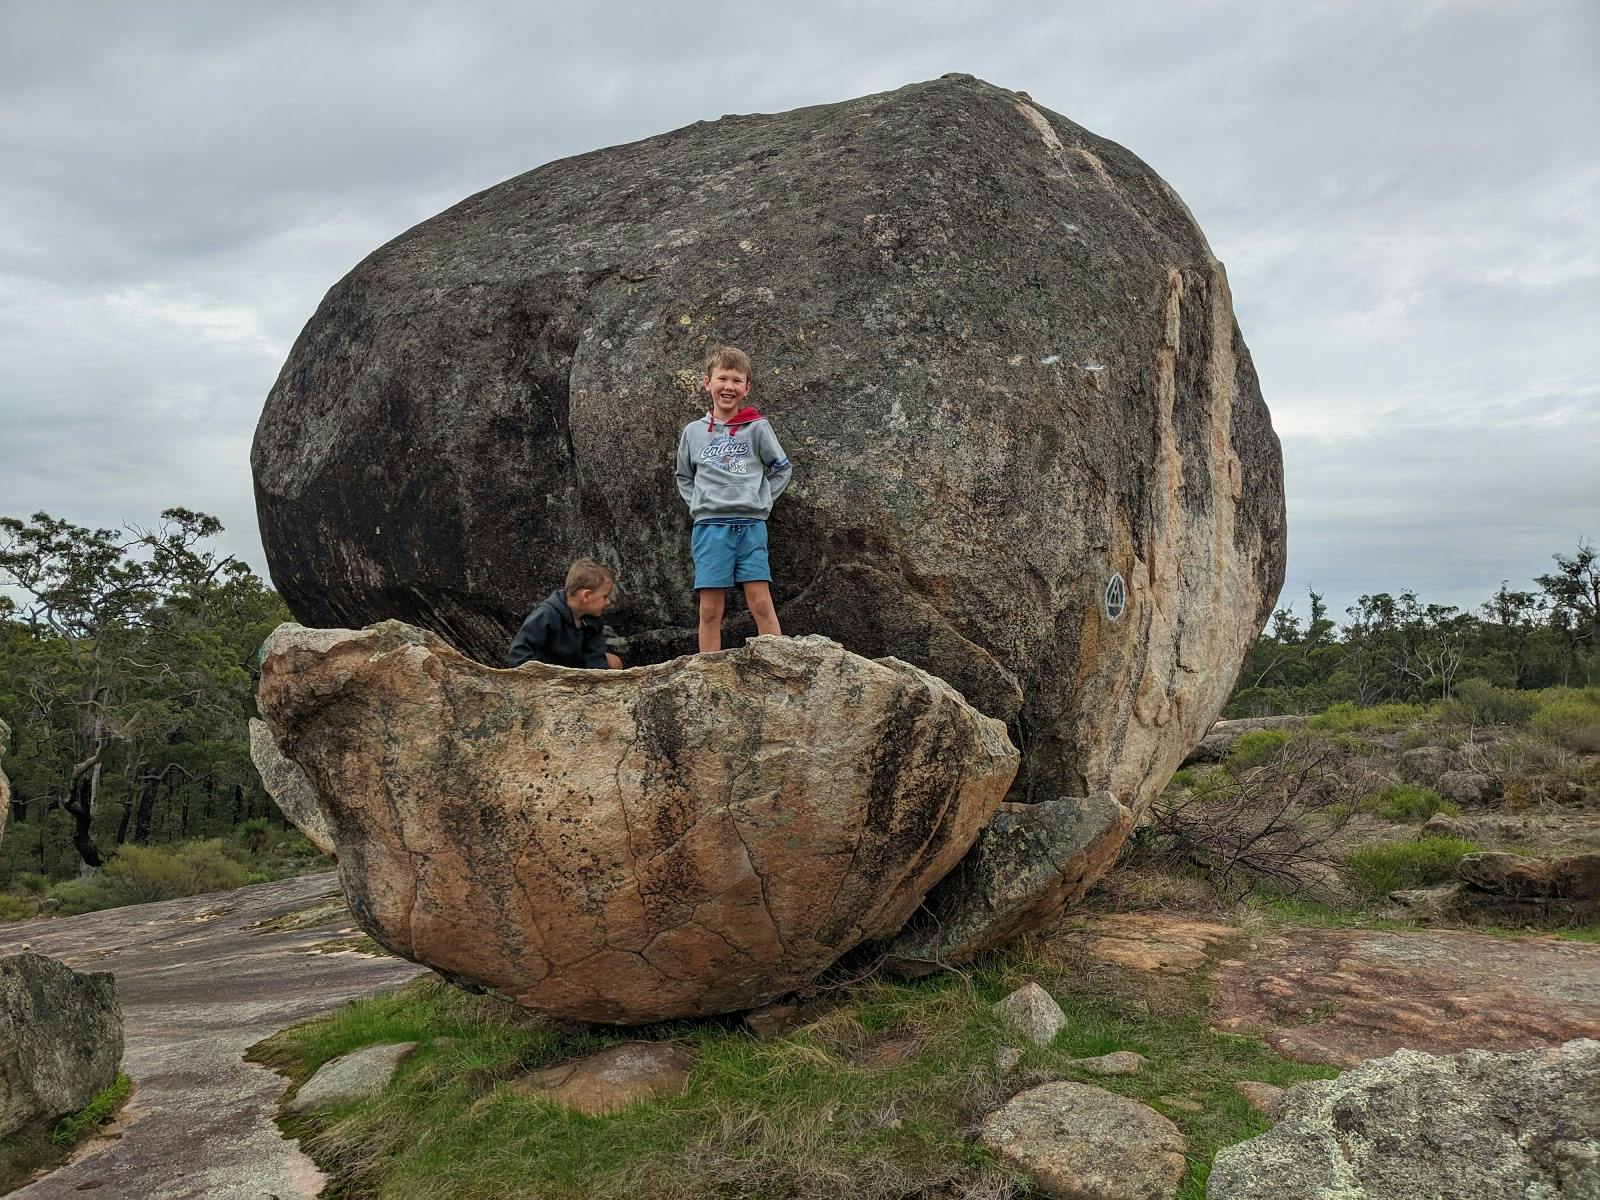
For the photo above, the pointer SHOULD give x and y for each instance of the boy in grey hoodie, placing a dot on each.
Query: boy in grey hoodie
(730, 470)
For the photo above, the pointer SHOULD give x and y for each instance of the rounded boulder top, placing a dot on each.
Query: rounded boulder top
(997, 349)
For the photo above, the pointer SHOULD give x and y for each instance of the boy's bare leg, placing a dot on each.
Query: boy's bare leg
(712, 601)
(758, 598)
(613, 662)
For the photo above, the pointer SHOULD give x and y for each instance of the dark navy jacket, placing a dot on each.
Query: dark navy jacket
(549, 636)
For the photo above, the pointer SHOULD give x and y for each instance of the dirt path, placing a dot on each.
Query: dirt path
(1340, 996)
(199, 986)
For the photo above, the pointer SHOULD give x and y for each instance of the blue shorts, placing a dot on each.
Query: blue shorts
(728, 554)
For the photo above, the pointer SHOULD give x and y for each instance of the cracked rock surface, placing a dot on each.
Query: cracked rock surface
(997, 348)
(695, 837)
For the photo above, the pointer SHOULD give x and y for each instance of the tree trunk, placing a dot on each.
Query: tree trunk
(149, 782)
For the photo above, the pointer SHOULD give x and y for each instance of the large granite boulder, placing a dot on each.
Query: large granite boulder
(694, 837)
(997, 348)
(60, 1038)
(1489, 1126)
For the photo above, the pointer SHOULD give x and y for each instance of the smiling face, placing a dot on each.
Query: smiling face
(727, 387)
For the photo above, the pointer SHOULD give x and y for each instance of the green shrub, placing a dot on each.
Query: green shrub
(1379, 870)
(1183, 778)
(1256, 747)
(1479, 702)
(32, 883)
(17, 908)
(140, 874)
(1347, 717)
(1569, 717)
(1406, 802)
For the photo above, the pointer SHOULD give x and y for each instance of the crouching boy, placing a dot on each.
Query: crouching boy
(565, 629)
(730, 470)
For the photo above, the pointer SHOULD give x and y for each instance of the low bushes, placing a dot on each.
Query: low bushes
(1407, 802)
(1347, 717)
(1570, 717)
(1479, 702)
(1379, 870)
(1256, 747)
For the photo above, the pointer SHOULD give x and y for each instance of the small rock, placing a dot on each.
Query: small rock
(359, 1075)
(1425, 764)
(613, 1079)
(1442, 825)
(1006, 1057)
(1265, 1098)
(773, 1020)
(1181, 1103)
(1468, 787)
(1079, 1142)
(1119, 1062)
(1034, 1013)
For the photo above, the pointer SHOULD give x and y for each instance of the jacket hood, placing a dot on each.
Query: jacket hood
(745, 416)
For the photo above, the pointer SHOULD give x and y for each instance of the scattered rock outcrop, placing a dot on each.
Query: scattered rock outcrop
(695, 837)
(60, 1038)
(1079, 1142)
(289, 788)
(1489, 1126)
(1514, 887)
(1031, 454)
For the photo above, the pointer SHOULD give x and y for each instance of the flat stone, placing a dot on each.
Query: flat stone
(1078, 1142)
(1150, 942)
(613, 1079)
(1118, 1062)
(1488, 1126)
(1265, 1098)
(1341, 996)
(351, 1078)
(1034, 1013)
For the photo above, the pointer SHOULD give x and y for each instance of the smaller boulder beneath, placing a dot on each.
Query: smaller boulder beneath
(1265, 1098)
(1510, 887)
(1034, 1013)
(352, 1077)
(613, 1079)
(1028, 864)
(1426, 764)
(60, 1038)
(1489, 1126)
(1078, 1142)
(289, 788)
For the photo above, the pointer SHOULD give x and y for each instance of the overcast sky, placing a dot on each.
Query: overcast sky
(1406, 195)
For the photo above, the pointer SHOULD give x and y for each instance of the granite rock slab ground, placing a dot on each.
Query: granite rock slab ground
(199, 986)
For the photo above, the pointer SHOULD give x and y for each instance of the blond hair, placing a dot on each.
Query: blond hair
(730, 357)
(585, 573)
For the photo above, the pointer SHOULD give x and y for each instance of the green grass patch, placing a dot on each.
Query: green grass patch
(1479, 702)
(1348, 717)
(807, 1115)
(1408, 803)
(37, 1146)
(1378, 870)
(1256, 747)
(1569, 717)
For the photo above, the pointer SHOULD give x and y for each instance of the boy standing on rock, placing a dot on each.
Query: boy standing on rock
(565, 629)
(730, 470)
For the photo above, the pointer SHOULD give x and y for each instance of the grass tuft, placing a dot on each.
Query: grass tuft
(1378, 870)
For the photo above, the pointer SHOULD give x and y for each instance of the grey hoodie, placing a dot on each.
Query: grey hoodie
(730, 473)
